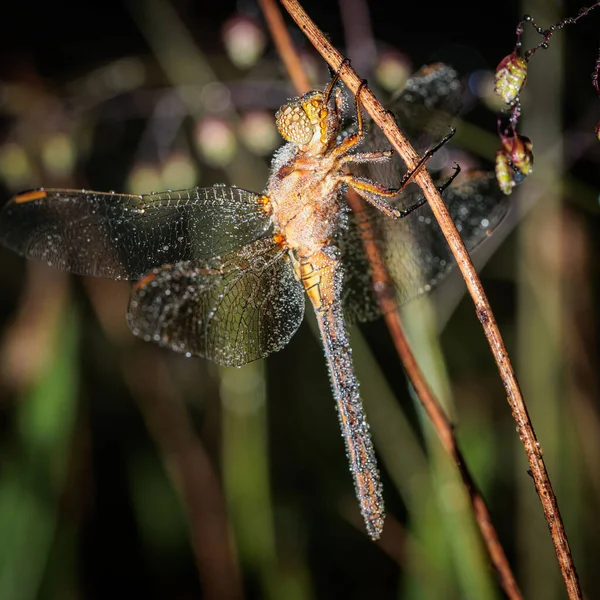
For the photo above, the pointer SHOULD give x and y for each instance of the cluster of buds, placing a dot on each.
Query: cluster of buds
(514, 161)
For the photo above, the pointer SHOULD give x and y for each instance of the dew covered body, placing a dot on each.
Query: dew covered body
(305, 199)
(223, 272)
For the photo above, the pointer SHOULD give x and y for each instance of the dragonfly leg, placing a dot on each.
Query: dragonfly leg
(376, 194)
(406, 211)
(441, 188)
(347, 144)
(408, 177)
(450, 179)
(334, 80)
(368, 157)
(373, 193)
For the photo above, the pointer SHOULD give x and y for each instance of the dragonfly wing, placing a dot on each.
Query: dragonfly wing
(424, 110)
(427, 105)
(123, 236)
(232, 310)
(357, 295)
(414, 250)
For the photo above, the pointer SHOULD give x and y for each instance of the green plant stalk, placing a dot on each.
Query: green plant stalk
(31, 485)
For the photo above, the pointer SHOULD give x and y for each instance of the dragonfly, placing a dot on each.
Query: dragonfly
(223, 273)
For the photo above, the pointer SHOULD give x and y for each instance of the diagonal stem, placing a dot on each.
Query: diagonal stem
(482, 307)
(438, 418)
(284, 45)
(384, 290)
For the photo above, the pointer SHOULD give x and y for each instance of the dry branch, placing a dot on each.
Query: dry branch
(483, 310)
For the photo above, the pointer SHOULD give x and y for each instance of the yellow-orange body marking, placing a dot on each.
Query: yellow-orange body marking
(145, 280)
(29, 196)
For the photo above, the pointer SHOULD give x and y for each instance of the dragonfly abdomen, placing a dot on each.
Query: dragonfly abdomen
(355, 429)
(321, 275)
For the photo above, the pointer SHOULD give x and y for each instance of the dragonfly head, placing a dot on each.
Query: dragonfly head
(307, 120)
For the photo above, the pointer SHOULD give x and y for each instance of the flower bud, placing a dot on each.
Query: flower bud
(519, 151)
(505, 175)
(511, 74)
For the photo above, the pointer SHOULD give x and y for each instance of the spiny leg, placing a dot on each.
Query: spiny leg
(334, 80)
(346, 145)
(375, 194)
(367, 157)
(341, 151)
(421, 201)
(450, 179)
(409, 176)
(385, 155)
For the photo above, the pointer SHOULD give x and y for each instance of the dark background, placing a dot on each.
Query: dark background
(96, 425)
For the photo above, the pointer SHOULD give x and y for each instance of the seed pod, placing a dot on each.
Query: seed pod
(510, 77)
(519, 151)
(514, 161)
(505, 174)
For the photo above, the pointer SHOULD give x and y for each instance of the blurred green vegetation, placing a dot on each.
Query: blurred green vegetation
(125, 467)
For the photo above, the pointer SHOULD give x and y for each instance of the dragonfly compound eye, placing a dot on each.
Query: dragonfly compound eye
(294, 124)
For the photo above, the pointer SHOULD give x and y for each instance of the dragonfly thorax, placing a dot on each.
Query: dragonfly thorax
(304, 193)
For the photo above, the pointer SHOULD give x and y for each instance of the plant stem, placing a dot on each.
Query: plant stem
(483, 309)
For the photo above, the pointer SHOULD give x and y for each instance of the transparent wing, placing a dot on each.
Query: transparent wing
(427, 105)
(414, 250)
(232, 310)
(424, 110)
(123, 236)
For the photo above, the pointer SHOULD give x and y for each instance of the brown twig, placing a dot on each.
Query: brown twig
(384, 289)
(284, 45)
(387, 124)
